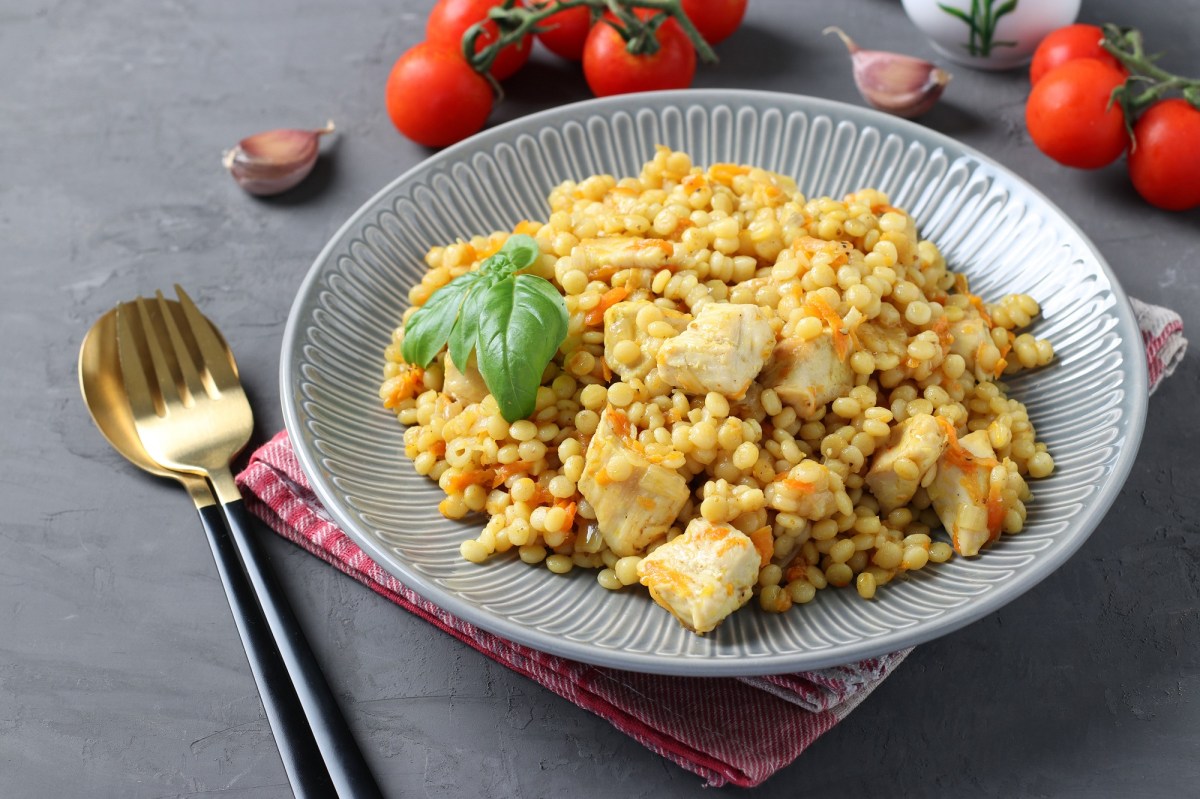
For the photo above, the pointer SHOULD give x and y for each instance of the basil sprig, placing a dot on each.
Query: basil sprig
(514, 322)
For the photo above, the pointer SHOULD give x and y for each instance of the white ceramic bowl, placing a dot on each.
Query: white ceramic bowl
(1004, 38)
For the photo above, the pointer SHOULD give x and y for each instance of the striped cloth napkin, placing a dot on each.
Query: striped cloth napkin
(727, 730)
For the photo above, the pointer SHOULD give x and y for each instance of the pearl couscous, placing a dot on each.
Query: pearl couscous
(759, 395)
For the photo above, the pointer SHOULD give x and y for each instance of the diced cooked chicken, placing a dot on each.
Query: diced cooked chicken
(723, 349)
(807, 374)
(703, 575)
(808, 490)
(919, 440)
(620, 324)
(635, 501)
(621, 252)
(969, 333)
(465, 386)
(970, 505)
(883, 338)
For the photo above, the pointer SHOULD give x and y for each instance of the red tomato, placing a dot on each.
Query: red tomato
(611, 69)
(450, 19)
(1165, 161)
(435, 98)
(1069, 116)
(715, 19)
(566, 32)
(1067, 44)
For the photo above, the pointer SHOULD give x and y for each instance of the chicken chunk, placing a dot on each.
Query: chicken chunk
(970, 506)
(879, 338)
(808, 490)
(919, 440)
(620, 324)
(968, 332)
(635, 501)
(703, 575)
(807, 374)
(621, 252)
(465, 386)
(723, 349)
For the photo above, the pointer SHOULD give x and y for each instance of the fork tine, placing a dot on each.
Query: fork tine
(143, 400)
(167, 387)
(213, 355)
(192, 381)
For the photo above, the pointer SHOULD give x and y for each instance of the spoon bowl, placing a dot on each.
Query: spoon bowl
(104, 394)
(103, 387)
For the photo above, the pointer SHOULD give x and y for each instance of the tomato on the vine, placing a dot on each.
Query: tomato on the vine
(1164, 163)
(450, 19)
(435, 98)
(715, 19)
(1068, 44)
(1071, 118)
(610, 68)
(565, 32)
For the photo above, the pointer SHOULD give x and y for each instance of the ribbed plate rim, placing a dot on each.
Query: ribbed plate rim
(334, 500)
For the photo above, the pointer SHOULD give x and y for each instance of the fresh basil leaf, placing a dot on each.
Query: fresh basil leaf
(496, 266)
(524, 320)
(522, 251)
(428, 329)
(462, 338)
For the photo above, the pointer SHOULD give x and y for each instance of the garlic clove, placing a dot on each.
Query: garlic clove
(275, 160)
(898, 84)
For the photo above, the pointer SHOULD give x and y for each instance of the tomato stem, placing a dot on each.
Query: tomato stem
(514, 22)
(1126, 45)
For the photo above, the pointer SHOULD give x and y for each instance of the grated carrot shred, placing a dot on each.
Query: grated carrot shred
(995, 510)
(1002, 361)
(764, 542)
(607, 300)
(725, 173)
(841, 341)
(404, 386)
(460, 481)
(570, 508)
(507, 470)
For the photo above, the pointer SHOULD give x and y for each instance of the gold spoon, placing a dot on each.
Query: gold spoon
(103, 387)
(104, 394)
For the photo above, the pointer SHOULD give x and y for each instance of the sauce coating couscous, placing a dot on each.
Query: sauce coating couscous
(758, 395)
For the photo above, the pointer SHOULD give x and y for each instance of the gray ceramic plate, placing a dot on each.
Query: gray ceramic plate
(1089, 406)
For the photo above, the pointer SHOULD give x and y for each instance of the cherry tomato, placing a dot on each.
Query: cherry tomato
(566, 32)
(1067, 44)
(715, 19)
(1069, 116)
(611, 69)
(435, 98)
(450, 19)
(1165, 161)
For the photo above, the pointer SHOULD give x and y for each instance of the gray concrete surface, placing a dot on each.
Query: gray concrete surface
(121, 674)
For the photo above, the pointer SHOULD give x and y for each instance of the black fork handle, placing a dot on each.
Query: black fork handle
(293, 736)
(343, 759)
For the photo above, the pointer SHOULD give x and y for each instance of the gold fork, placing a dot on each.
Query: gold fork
(192, 416)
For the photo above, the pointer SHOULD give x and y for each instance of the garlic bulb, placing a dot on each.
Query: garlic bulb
(275, 160)
(892, 82)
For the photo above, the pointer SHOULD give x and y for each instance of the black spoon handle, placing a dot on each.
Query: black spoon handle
(297, 747)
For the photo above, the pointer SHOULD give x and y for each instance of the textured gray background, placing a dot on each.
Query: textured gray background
(121, 674)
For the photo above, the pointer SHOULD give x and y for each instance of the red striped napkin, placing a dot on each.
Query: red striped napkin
(727, 730)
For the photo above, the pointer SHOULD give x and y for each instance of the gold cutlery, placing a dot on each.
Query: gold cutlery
(162, 386)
